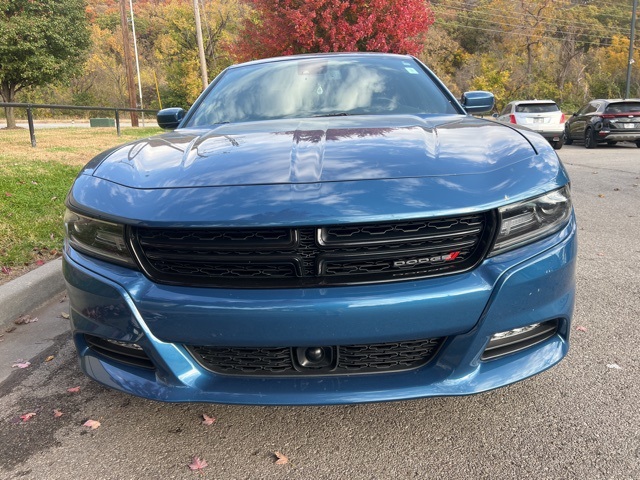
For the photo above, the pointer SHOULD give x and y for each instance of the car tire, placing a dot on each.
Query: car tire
(638, 143)
(589, 140)
(612, 143)
(567, 140)
(557, 145)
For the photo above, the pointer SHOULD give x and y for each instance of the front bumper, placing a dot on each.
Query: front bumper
(532, 284)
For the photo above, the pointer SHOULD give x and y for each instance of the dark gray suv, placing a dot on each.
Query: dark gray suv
(605, 121)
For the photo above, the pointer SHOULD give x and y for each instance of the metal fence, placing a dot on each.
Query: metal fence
(32, 106)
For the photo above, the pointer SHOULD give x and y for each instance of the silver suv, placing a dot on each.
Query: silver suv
(542, 116)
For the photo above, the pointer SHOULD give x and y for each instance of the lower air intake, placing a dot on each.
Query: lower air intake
(350, 359)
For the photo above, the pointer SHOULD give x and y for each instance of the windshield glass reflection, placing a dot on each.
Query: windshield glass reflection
(323, 86)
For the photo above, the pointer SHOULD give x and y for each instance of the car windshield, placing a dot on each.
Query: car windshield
(536, 108)
(623, 107)
(321, 86)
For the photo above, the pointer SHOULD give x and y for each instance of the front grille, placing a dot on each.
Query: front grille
(351, 359)
(312, 256)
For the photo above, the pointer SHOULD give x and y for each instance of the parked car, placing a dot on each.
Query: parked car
(542, 116)
(322, 229)
(605, 121)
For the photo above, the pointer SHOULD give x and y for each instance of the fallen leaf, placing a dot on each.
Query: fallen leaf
(580, 328)
(207, 420)
(198, 464)
(6, 270)
(27, 416)
(73, 389)
(33, 183)
(64, 315)
(616, 189)
(281, 458)
(600, 195)
(24, 319)
(21, 364)
(614, 366)
(92, 424)
(49, 358)
(57, 413)
(10, 329)
(40, 263)
(54, 198)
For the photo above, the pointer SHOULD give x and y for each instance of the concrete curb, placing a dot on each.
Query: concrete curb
(30, 291)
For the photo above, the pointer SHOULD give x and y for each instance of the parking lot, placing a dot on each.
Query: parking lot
(580, 419)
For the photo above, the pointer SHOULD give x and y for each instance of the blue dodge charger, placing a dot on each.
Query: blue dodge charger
(322, 229)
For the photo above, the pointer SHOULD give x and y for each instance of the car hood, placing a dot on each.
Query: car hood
(316, 150)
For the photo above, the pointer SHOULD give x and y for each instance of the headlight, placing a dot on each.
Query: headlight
(528, 221)
(97, 238)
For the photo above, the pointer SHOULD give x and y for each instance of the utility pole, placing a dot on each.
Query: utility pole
(203, 60)
(135, 50)
(131, 84)
(631, 40)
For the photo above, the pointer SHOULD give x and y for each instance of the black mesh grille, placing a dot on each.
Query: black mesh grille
(312, 256)
(351, 359)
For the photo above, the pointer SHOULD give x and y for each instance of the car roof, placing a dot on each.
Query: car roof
(321, 55)
(615, 100)
(518, 102)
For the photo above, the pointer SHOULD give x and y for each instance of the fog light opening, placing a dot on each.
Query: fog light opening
(125, 352)
(517, 339)
(134, 346)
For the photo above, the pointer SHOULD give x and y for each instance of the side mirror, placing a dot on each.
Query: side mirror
(478, 101)
(170, 118)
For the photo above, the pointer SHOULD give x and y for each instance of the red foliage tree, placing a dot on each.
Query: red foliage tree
(285, 27)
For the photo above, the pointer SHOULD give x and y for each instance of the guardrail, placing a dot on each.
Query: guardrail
(31, 106)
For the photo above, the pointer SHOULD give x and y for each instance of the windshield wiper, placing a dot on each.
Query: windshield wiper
(340, 114)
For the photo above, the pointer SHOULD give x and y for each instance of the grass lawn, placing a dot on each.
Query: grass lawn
(34, 183)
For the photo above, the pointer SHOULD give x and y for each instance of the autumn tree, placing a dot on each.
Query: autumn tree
(41, 42)
(175, 48)
(288, 27)
(561, 49)
(608, 70)
(167, 50)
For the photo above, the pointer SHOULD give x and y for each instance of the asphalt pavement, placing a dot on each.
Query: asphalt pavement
(579, 420)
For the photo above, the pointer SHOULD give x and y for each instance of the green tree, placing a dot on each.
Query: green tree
(41, 42)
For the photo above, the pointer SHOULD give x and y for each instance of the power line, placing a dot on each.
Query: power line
(462, 5)
(502, 32)
(551, 20)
